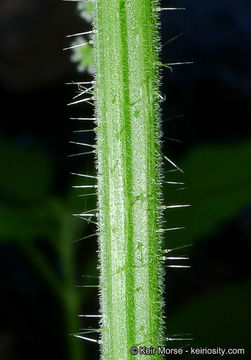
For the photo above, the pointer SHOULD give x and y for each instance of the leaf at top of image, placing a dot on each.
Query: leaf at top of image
(86, 10)
(83, 56)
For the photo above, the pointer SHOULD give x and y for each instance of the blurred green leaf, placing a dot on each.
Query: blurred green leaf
(219, 185)
(86, 10)
(45, 221)
(83, 56)
(25, 175)
(21, 224)
(219, 318)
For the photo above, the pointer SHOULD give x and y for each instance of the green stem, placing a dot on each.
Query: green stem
(129, 175)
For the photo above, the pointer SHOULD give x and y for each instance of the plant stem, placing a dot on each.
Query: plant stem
(129, 162)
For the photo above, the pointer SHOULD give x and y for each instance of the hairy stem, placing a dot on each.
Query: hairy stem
(126, 51)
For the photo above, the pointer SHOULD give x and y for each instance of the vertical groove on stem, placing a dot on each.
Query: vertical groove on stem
(129, 163)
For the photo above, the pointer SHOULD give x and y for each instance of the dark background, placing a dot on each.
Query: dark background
(206, 124)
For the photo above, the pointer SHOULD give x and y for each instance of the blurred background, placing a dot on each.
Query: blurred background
(206, 124)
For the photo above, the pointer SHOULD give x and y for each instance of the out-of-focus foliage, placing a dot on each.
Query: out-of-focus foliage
(26, 224)
(83, 56)
(25, 175)
(218, 185)
(86, 10)
(31, 216)
(216, 319)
